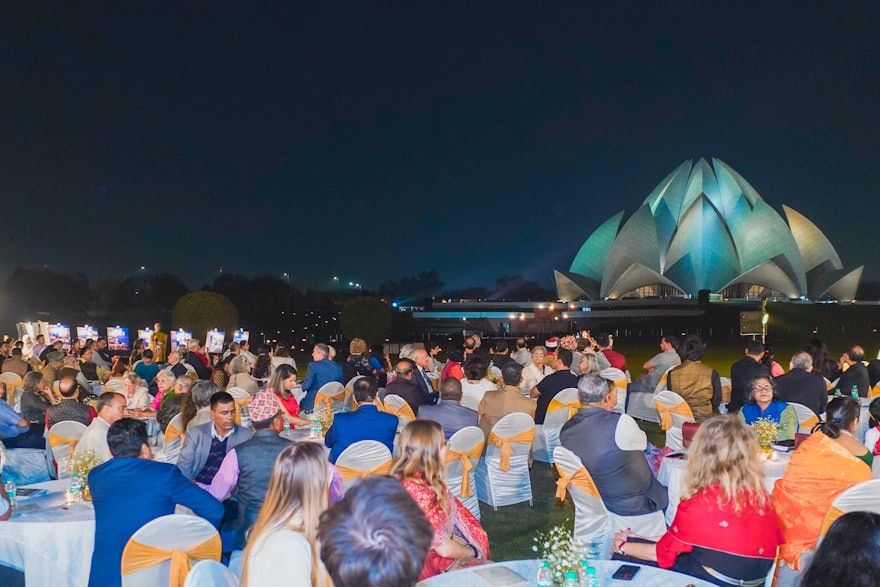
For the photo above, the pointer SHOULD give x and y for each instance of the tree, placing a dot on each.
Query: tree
(367, 318)
(201, 311)
(424, 285)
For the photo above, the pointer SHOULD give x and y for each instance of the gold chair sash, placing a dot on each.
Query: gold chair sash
(329, 399)
(405, 410)
(809, 422)
(137, 557)
(239, 404)
(56, 440)
(620, 383)
(466, 466)
(830, 517)
(10, 390)
(580, 479)
(666, 412)
(573, 407)
(874, 391)
(504, 444)
(172, 432)
(348, 473)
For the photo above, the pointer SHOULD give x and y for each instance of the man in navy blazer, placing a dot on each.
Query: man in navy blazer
(130, 490)
(367, 423)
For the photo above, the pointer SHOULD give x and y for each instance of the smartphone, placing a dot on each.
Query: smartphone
(625, 572)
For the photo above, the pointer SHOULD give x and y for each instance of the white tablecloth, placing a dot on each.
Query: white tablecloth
(671, 475)
(53, 546)
(528, 569)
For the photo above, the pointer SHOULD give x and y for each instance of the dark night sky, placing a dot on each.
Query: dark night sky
(376, 140)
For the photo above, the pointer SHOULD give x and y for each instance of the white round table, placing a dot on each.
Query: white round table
(528, 570)
(671, 475)
(52, 545)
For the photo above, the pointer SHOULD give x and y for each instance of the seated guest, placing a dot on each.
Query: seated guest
(419, 464)
(171, 402)
(87, 367)
(69, 408)
(849, 555)
(12, 424)
(197, 360)
(198, 410)
(854, 373)
(872, 436)
(176, 364)
(619, 468)
(699, 385)
(449, 412)
(725, 530)
(475, 385)
(657, 365)
(547, 389)
(319, 372)
(405, 386)
(498, 403)
(281, 383)
(70, 369)
(364, 422)
(36, 398)
(452, 368)
(54, 362)
(117, 370)
(130, 490)
(240, 375)
(764, 402)
(367, 546)
(205, 446)
(801, 385)
(136, 396)
(283, 539)
(164, 386)
(16, 364)
(146, 368)
(823, 466)
(744, 371)
(111, 408)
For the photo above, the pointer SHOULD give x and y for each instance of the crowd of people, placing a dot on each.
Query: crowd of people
(280, 504)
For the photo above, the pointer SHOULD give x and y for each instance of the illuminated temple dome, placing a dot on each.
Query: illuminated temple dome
(705, 228)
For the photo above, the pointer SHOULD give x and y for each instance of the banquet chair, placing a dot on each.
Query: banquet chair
(805, 416)
(503, 473)
(830, 385)
(661, 385)
(674, 412)
(618, 377)
(563, 406)
(462, 457)
(162, 550)
(174, 435)
(62, 439)
(25, 465)
(210, 573)
(396, 405)
(874, 391)
(726, 388)
(349, 392)
(332, 395)
(114, 385)
(593, 522)
(362, 459)
(13, 387)
(862, 497)
(241, 398)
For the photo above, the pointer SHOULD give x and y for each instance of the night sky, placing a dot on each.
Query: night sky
(375, 140)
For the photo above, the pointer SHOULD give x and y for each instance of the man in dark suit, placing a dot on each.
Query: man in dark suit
(856, 374)
(206, 445)
(130, 490)
(366, 423)
(449, 413)
(405, 385)
(802, 386)
(743, 372)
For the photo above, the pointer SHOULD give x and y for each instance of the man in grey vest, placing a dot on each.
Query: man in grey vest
(612, 448)
(248, 466)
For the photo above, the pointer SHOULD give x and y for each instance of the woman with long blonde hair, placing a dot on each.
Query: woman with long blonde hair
(419, 464)
(725, 529)
(283, 541)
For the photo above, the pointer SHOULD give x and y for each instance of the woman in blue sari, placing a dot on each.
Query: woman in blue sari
(764, 402)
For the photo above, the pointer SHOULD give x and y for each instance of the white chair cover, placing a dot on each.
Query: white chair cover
(13, 388)
(397, 402)
(862, 497)
(673, 401)
(620, 382)
(173, 441)
(61, 452)
(805, 416)
(547, 434)
(365, 457)
(210, 573)
(464, 442)
(593, 521)
(114, 385)
(171, 532)
(349, 391)
(499, 488)
(241, 396)
(330, 389)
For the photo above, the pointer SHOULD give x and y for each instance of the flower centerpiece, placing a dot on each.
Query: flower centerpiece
(84, 462)
(325, 416)
(767, 432)
(557, 547)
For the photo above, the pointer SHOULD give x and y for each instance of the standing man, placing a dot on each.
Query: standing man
(547, 389)
(320, 372)
(743, 372)
(38, 347)
(159, 343)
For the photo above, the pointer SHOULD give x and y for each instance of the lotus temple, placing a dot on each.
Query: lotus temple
(704, 227)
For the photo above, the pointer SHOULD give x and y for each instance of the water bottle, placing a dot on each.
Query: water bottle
(11, 491)
(592, 578)
(836, 392)
(571, 579)
(75, 487)
(545, 575)
(286, 428)
(316, 426)
(855, 391)
(583, 577)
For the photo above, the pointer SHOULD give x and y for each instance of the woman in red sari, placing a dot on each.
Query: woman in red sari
(420, 462)
(725, 529)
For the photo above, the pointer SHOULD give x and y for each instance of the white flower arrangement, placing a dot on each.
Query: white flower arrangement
(556, 546)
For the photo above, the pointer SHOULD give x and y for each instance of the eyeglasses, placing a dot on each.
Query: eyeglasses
(763, 387)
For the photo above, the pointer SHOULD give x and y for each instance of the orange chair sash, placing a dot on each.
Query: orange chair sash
(348, 473)
(580, 479)
(620, 383)
(137, 557)
(666, 412)
(505, 444)
(573, 407)
(809, 422)
(466, 466)
(239, 405)
(329, 399)
(405, 410)
(56, 440)
(172, 432)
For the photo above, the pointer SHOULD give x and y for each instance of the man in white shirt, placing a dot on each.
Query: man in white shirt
(110, 407)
